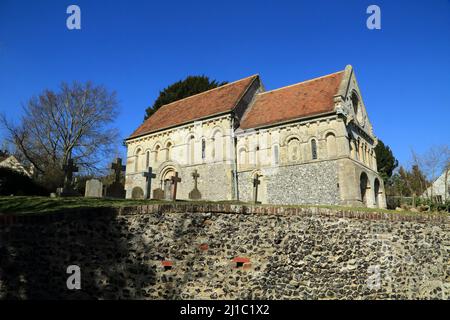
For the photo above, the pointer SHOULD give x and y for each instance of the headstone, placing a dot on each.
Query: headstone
(168, 187)
(256, 182)
(137, 193)
(116, 189)
(67, 190)
(195, 193)
(149, 175)
(94, 189)
(158, 194)
(175, 179)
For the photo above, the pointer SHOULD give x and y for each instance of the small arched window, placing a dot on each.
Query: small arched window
(294, 149)
(157, 153)
(313, 149)
(331, 145)
(203, 149)
(355, 102)
(136, 163)
(168, 151)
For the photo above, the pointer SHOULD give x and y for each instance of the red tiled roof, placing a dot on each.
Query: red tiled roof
(202, 105)
(292, 102)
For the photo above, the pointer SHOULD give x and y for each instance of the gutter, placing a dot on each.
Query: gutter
(233, 136)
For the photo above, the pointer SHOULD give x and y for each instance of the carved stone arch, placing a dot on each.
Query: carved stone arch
(331, 143)
(293, 149)
(355, 100)
(137, 158)
(138, 148)
(364, 186)
(291, 136)
(242, 156)
(168, 146)
(190, 140)
(168, 140)
(166, 171)
(327, 132)
(188, 136)
(156, 152)
(157, 143)
(214, 130)
(217, 150)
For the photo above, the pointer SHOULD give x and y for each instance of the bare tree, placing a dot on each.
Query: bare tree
(433, 163)
(72, 123)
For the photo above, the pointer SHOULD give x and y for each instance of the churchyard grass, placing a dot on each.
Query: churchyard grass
(42, 205)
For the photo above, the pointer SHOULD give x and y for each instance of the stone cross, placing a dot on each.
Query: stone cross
(256, 182)
(69, 169)
(175, 180)
(195, 175)
(149, 175)
(118, 168)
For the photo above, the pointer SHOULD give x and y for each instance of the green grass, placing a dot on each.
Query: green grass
(42, 205)
(46, 204)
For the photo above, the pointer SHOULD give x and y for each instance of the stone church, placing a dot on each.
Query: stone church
(307, 143)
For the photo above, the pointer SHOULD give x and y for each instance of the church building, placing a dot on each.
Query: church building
(307, 143)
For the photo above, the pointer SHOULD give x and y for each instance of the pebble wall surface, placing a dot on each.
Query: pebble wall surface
(226, 252)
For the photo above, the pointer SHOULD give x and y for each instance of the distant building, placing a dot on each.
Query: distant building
(439, 189)
(11, 162)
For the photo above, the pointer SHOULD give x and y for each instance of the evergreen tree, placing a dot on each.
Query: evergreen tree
(386, 161)
(182, 89)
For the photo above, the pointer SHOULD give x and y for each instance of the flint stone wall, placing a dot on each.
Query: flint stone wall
(293, 253)
(311, 183)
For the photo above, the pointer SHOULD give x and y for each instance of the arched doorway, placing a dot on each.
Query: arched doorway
(364, 184)
(166, 182)
(376, 192)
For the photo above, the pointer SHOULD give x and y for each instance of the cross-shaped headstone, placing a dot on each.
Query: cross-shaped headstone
(118, 168)
(149, 175)
(195, 175)
(69, 169)
(256, 182)
(175, 180)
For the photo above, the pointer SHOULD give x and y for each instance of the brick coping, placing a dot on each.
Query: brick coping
(351, 213)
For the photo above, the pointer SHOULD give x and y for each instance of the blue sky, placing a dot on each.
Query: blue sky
(139, 47)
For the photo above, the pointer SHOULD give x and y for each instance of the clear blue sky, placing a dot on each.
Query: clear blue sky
(139, 47)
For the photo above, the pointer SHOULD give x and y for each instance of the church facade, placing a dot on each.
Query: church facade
(308, 143)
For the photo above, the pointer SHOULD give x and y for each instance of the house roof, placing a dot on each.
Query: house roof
(209, 103)
(292, 102)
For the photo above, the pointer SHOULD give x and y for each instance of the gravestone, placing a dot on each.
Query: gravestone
(195, 193)
(137, 193)
(94, 189)
(116, 189)
(149, 175)
(67, 190)
(175, 179)
(158, 194)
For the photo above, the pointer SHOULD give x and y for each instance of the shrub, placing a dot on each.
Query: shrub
(18, 184)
